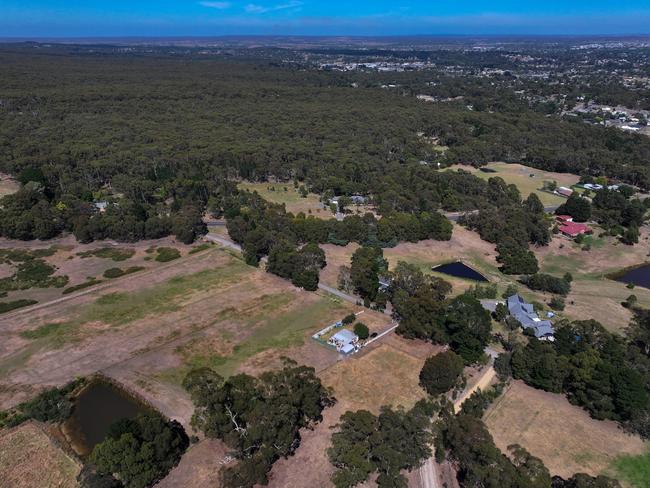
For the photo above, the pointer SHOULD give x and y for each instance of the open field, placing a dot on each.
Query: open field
(207, 309)
(520, 176)
(383, 376)
(29, 459)
(593, 295)
(560, 434)
(85, 264)
(288, 195)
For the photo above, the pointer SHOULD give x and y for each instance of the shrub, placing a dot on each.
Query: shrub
(349, 319)
(113, 273)
(8, 306)
(166, 254)
(361, 330)
(81, 286)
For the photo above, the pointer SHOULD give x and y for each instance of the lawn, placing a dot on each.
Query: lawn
(520, 176)
(560, 434)
(634, 470)
(28, 459)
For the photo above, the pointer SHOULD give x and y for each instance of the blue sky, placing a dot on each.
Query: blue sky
(94, 18)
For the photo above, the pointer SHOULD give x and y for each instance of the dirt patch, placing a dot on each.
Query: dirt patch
(560, 434)
(29, 459)
(8, 185)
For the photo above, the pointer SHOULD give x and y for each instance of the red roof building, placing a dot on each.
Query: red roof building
(573, 229)
(564, 218)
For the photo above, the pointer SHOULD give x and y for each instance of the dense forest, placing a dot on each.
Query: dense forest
(154, 138)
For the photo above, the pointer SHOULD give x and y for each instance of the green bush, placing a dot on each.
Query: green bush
(8, 306)
(113, 273)
(349, 319)
(81, 286)
(361, 330)
(166, 254)
(113, 253)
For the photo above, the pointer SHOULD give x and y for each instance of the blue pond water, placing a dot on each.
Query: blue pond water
(639, 276)
(460, 270)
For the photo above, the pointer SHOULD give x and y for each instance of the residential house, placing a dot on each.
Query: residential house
(525, 314)
(344, 341)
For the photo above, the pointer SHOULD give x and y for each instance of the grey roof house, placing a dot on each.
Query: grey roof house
(525, 314)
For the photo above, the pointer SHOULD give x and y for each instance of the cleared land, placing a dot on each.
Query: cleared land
(288, 195)
(29, 459)
(8, 185)
(520, 176)
(593, 295)
(465, 246)
(560, 434)
(85, 264)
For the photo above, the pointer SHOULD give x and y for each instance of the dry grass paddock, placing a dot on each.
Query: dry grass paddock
(560, 434)
(29, 459)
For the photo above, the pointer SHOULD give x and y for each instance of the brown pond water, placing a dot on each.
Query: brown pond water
(97, 407)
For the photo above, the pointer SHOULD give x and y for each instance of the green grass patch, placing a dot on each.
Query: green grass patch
(123, 308)
(634, 469)
(56, 333)
(113, 253)
(81, 286)
(16, 304)
(270, 331)
(199, 248)
(166, 254)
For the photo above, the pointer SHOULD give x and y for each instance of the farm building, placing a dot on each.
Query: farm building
(345, 341)
(566, 192)
(525, 314)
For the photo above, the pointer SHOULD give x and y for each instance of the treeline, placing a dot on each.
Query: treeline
(168, 133)
(511, 224)
(290, 242)
(600, 371)
(259, 418)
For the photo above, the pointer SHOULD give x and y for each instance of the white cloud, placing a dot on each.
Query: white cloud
(217, 5)
(253, 8)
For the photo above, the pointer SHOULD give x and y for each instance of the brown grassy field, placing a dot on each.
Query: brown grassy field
(560, 434)
(288, 195)
(29, 459)
(80, 269)
(593, 295)
(520, 176)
